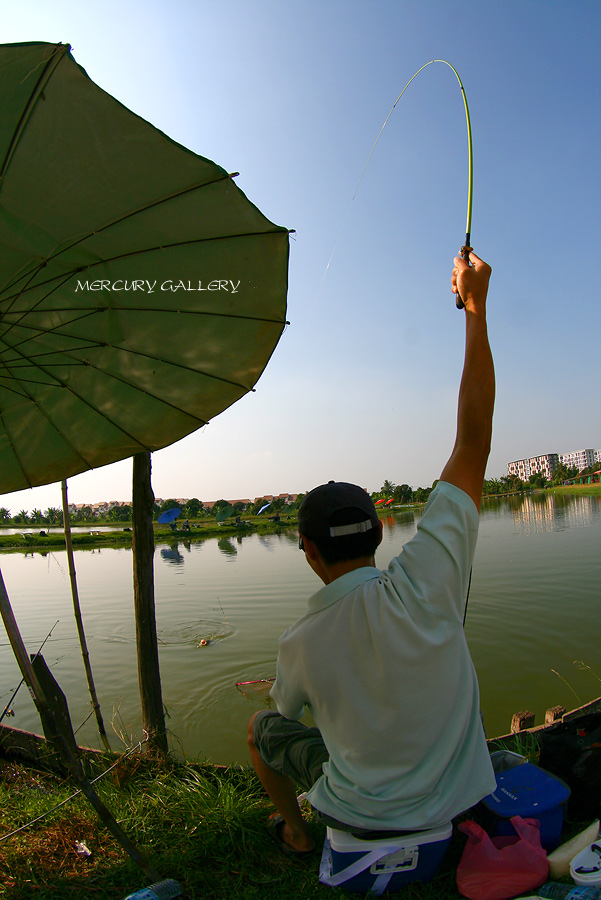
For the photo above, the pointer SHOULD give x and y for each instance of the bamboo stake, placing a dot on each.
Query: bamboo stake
(79, 621)
(149, 677)
(70, 761)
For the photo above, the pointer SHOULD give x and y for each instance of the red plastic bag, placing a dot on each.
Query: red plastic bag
(501, 867)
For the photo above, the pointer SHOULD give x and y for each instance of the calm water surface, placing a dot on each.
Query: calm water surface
(532, 622)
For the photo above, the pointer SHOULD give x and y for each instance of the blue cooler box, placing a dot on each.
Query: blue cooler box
(532, 793)
(415, 857)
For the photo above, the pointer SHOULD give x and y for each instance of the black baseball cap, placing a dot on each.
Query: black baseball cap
(321, 507)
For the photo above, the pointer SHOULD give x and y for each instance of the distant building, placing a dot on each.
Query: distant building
(543, 465)
(580, 459)
(548, 462)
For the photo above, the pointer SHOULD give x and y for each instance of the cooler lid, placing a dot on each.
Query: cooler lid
(526, 790)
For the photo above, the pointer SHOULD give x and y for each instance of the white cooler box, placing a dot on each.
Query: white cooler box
(385, 864)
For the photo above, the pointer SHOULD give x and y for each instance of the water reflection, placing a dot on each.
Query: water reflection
(172, 556)
(538, 513)
(227, 548)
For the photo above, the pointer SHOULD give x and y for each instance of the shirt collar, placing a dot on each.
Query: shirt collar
(331, 593)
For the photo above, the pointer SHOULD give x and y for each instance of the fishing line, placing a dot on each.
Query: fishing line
(226, 621)
(76, 794)
(464, 252)
(7, 708)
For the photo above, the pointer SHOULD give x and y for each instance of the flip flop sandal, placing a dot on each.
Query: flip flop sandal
(274, 827)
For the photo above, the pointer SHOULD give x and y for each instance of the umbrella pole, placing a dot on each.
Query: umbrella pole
(149, 677)
(80, 630)
(48, 719)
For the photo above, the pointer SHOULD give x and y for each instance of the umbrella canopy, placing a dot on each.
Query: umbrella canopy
(168, 516)
(141, 292)
(224, 513)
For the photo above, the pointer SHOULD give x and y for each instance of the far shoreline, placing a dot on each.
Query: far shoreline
(121, 537)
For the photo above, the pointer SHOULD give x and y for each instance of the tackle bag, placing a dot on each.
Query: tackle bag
(501, 867)
(572, 751)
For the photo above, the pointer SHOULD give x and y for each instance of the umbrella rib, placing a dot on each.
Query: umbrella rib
(58, 54)
(14, 450)
(176, 365)
(146, 393)
(58, 382)
(89, 343)
(43, 412)
(62, 384)
(28, 312)
(153, 204)
(121, 310)
(30, 359)
(127, 255)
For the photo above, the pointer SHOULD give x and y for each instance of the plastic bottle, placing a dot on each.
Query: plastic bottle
(162, 890)
(556, 891)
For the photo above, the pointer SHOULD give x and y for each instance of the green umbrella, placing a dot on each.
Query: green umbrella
(141, 292)
(224, 513)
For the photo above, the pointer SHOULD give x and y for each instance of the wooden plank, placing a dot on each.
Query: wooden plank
(57, 702)
(509, 740)
(522, 720)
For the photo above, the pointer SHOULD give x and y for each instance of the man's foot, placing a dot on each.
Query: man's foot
(293, 846)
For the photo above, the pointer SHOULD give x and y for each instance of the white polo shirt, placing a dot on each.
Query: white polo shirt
(381, 661)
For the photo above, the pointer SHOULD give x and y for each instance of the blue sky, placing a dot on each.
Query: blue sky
(363, 384)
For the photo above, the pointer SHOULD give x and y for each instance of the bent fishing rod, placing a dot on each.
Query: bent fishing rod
(465, 249)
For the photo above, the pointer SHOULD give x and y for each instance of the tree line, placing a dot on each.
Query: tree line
(193, 508)
(506, 484)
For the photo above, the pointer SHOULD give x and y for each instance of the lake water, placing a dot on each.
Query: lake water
(532, 622)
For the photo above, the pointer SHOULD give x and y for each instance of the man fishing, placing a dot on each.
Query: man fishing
(380, 658)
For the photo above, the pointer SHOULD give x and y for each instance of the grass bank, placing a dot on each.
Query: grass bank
(203, 826)
(41, 540)
(587, 489)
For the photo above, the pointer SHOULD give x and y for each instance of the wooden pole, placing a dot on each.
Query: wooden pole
(51, 727)
(149, 678)
(79, 621)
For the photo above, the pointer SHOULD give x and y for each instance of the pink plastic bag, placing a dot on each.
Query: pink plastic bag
(501, 867)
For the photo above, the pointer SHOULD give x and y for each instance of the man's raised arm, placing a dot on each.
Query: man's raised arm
(467, 463)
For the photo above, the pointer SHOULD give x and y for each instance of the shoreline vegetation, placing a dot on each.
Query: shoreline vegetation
(198, 823)
(202, 825)
(38, 538)
(121, 536)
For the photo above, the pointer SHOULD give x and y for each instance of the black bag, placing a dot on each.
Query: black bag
(572, 751)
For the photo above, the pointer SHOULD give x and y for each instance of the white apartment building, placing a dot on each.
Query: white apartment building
(524, 468)
(580, 459)
(546, 464)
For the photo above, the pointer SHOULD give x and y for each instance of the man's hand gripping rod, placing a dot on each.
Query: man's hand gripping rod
(464, 253)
